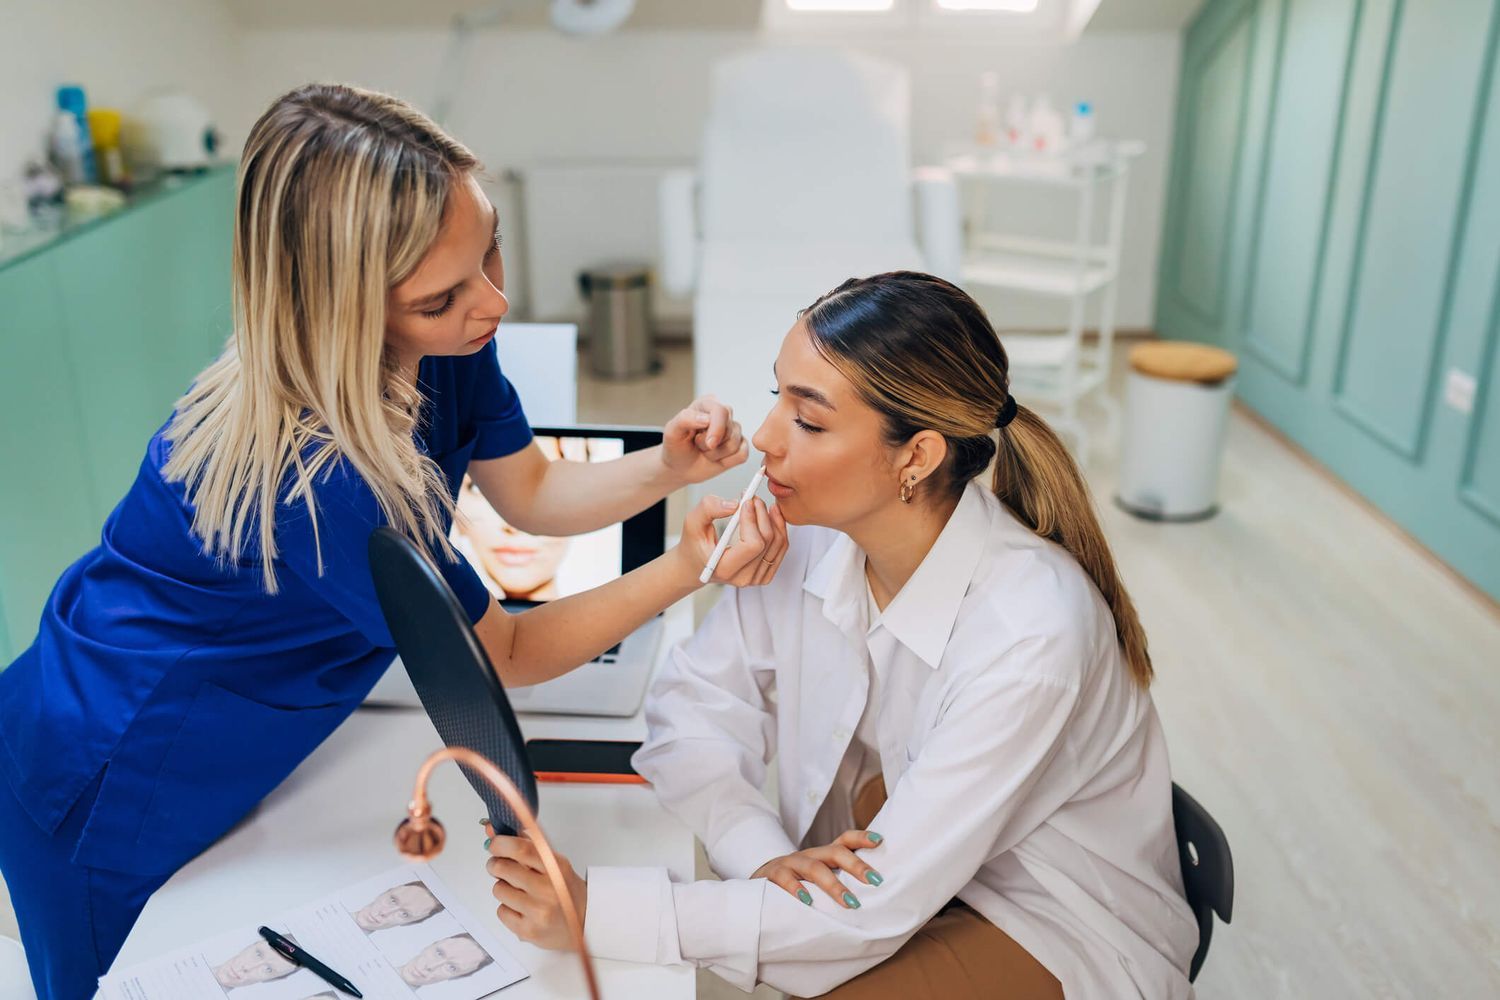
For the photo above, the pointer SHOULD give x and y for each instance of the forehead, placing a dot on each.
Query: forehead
(800, 363)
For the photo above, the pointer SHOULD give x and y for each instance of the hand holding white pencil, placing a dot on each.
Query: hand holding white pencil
(734, 523)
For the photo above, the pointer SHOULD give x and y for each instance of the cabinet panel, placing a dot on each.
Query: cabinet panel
(1296, 183)
(146, 301)
(47, 519)
(1413, 208)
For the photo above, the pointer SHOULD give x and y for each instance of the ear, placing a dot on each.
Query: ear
(924, 455)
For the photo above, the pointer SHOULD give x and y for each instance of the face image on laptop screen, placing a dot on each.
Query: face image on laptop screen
(517, 566)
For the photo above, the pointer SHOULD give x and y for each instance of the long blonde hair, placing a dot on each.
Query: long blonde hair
(340, 194)
(923, 354)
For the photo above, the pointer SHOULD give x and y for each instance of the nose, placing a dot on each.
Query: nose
(495, 304)
(765, 439)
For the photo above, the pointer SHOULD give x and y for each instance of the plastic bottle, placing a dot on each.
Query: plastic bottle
(987, 124)
(1048, 133)
(70, 98)
(104, 126)
(67, 148)
(1017, 122)
(1081, 126)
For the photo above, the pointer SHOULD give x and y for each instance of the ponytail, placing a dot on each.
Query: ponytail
(1038, 480)
(923, 354)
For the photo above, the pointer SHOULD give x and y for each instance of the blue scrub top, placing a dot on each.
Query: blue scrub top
(189, 687)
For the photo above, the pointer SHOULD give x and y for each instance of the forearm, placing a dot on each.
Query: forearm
(577, 497)
(554, 638)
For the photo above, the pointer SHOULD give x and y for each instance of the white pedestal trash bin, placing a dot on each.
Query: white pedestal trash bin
(1176, 410)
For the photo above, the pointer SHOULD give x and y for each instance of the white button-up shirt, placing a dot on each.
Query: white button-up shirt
(1027, 771)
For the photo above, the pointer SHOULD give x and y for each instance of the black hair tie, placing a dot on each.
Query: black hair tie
(1007, 412)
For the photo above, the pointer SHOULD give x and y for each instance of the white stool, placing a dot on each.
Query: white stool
(1176, 410)
(15, 978)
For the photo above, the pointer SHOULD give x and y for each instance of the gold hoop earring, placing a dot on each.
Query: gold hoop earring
(907, 489)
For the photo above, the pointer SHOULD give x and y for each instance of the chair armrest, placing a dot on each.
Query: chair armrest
(678, 217)
(939, 221)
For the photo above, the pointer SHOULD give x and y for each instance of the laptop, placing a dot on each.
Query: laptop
(524, 571)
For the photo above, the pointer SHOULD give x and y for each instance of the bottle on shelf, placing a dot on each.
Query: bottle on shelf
(1017, 122)
(66, 145)
(987, 122)
(71, 99)
(1048, 134)
(1081, 128)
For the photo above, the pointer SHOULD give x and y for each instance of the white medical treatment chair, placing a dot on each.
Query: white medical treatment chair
(805, 180)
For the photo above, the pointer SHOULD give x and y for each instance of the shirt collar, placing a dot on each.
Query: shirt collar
(922, 615)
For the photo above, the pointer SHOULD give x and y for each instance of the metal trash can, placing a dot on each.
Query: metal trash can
(1176, 411)
(621, 337)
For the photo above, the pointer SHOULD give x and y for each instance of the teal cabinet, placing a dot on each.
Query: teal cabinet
(1348, 246)
(101, 332)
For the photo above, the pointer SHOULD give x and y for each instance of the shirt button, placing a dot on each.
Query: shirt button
(840, 735)
(812, 796)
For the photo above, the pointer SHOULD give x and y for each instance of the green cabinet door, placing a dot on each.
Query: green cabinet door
(146, 302)
(48, 519)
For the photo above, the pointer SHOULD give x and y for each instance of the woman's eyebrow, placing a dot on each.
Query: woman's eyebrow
(806, 392)
(438, 296)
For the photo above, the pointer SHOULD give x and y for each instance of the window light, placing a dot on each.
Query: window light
(1012, 6)
(839, 5)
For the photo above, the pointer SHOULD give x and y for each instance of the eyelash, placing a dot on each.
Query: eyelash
(448, 302)
(799, 421)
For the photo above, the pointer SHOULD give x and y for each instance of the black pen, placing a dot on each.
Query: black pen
(289, 951)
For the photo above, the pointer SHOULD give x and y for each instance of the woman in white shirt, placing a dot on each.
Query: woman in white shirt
(973, 648)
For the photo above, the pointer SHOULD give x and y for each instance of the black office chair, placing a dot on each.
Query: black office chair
(449, 668)
(1207, 868)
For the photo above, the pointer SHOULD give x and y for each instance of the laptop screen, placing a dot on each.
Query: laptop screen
(524, 568)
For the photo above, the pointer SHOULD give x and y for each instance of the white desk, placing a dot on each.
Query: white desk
(330, 824)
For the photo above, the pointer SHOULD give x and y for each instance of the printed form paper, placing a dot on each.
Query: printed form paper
(395, 936)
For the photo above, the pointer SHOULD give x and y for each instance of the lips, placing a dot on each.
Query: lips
(514, 557)
(778, 489)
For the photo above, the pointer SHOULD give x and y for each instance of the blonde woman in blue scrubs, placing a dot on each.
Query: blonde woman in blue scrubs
(227, 622)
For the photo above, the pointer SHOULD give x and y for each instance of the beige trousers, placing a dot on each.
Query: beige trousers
(957, 955)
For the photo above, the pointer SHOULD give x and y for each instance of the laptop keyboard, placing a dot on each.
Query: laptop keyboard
(611, 655)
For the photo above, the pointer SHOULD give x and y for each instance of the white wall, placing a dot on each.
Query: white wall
(641, 95)
(532, 96)
(119, 50)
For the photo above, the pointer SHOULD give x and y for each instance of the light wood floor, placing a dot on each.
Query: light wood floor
(1330, 694)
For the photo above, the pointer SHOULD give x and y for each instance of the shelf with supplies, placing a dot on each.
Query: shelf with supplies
(1055, 369)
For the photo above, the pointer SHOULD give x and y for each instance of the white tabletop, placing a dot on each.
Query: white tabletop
(330, 824)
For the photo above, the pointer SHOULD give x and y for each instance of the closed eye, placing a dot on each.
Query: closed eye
(435, 313)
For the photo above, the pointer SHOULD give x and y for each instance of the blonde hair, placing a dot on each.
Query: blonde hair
(340, 194)
(923, 354)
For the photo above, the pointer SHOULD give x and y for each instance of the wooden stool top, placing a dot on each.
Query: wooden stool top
(1178, 361)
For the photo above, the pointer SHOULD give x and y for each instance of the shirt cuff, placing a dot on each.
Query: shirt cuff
(748, 845)
(718, 925)
(629, 915)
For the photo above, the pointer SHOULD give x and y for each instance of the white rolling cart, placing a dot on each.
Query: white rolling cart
(1057, 370)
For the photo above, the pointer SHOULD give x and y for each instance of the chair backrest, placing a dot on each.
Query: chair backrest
(807, 141)
(449, 668)
(1207, 868)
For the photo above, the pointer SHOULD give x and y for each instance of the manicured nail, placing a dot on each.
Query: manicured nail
(873, 877)
(805, 896)
(850, 901)
(487, 842)
(874, 836)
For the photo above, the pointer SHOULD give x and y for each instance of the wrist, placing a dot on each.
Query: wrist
(685, 568)
(666, 479)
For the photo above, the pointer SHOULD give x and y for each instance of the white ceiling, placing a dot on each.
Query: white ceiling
(721, 14)
(1112, 15)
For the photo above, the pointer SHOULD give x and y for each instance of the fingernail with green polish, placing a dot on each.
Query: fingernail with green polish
(805, 896)
(873, 877)
(487, 842)
(850, 901)
(874, 836)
